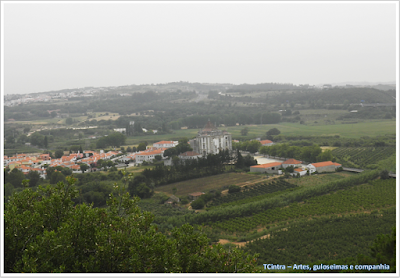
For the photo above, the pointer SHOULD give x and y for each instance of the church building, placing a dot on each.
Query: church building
(211, 140)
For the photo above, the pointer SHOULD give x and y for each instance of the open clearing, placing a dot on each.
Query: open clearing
(208, 183)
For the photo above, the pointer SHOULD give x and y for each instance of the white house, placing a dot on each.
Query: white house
(326, 166)
(122, 130)
(266, 143)
(165, 144)
(300, 171)
(291, 162)
(148, 156)
(272, 168)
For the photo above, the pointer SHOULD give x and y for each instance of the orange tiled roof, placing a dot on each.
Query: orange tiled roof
(151, 153)
(291, 161)
(37, 169)
(267, 165)
(299, 170)
(266, 142)
(164, 142)
(337, 164)
(196, 194)
(322, 164)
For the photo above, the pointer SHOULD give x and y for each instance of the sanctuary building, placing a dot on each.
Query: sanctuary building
(211, 140)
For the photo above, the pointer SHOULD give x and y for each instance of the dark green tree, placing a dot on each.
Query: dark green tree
(198, 204)
(244, 131)
(33, 177)
(58, 153)
(142, 146)
(83, 167)
(45, 142)
(118, 238)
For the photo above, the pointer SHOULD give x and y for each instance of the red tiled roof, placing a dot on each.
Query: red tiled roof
(266, 142)
(151, 153)
(267, 165)
(337, 164)
(164, 142)
(299, 170)
(292, 161)
(322, 164)
(196, 194)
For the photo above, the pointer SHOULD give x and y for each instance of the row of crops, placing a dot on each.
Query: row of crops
(326, 238)
(362, 156)
(259, 191)
(378, 194)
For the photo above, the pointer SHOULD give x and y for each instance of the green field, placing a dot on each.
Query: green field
(207, 183)
(357, 130)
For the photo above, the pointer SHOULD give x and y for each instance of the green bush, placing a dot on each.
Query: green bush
(198, 204)
(233, 188)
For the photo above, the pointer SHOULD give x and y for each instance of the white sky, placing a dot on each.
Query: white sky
(53, 46)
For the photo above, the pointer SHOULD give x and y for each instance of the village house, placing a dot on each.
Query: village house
(291, 162)
(320, 167)
(148, 156)
(195, 195)
(165, 144)
(299, 171)
(270, 168)
(266, 143)
(172, 199)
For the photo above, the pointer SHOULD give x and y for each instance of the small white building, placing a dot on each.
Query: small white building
(326, 166)
(271, 168)
(148, 156)
(291, 162)
(122, 130)
(266, 143)
(300, 171)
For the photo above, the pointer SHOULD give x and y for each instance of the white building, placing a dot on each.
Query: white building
(211, 140)
(291, 162)
(122, 130)
(165, 144)
(299, 171)
(148, 156)
(266, 143)
(326, 166)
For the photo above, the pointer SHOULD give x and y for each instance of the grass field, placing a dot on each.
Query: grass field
(207, 183)
(371, 128)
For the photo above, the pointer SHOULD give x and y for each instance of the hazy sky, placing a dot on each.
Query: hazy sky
(53, 46)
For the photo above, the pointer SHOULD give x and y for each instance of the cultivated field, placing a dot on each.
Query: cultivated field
(208, 183)
(320, 178)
